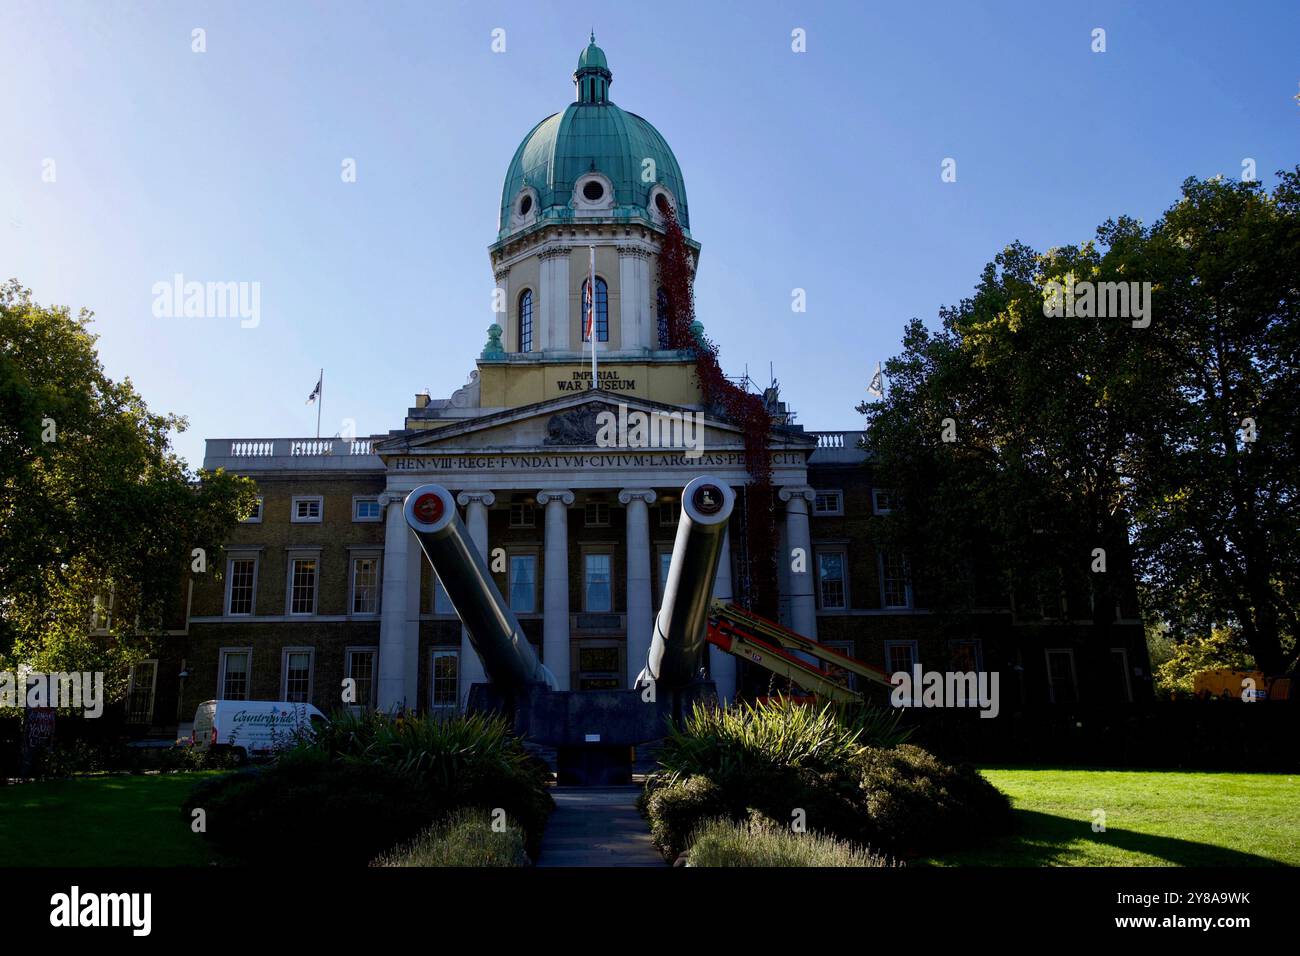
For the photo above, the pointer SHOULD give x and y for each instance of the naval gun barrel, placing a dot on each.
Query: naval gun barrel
(679, 633)
(508, 658)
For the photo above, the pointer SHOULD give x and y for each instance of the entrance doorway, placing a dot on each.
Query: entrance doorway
(598, 664)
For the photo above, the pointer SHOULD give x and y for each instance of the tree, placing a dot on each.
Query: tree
(1001, 435)
(1215, 465)
(1050, 445)
(1177, 674)
(94, 505)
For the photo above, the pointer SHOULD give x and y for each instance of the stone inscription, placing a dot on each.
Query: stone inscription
(569, 462)
(609, 380)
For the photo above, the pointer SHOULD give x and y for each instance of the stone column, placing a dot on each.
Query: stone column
(782, 575)
(552, 311)
(803, 604)
(415, 562)
(555, 584)
(722, 666)
(476, 504)
(634, 299)
(505, 318)
(640, 593)
(401, 576)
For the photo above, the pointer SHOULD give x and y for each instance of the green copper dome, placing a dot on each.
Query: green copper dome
(591, 136)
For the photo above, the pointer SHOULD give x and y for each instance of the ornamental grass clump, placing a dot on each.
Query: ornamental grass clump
(472, 837)
(758, 842)
(442, 751)
(750, 743)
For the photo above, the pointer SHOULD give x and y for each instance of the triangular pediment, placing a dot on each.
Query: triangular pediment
(569, 421)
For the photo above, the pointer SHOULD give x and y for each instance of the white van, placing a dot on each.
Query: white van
(252, 726)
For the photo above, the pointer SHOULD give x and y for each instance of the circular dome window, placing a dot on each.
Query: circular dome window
(661, 203)
(525, 205)
(593, 191)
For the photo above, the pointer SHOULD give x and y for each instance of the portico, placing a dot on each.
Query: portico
(606, 517)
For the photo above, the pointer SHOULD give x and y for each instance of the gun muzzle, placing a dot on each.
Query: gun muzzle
(679, 634)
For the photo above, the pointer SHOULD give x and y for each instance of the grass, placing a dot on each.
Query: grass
(1152, 818)
(468, 838)
(101, 820)
(727, 843)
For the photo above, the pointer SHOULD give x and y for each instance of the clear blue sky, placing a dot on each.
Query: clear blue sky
(818, 170)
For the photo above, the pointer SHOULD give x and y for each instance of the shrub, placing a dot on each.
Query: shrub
(876, 726)
(757, 842)
(366, 784)
(465, 839)
(749, 745)
(443, 751)
(787, 761)
(917, 802)
(67, 758)
(472, 760)
(677, 809)
(313, 810)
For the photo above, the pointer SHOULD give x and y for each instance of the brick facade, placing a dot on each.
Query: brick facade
(863, 627)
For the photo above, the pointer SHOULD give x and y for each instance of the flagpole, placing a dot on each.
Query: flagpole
(320, 400)
(591, 287)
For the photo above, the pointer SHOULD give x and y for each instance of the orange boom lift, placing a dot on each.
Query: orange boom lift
(750, 637)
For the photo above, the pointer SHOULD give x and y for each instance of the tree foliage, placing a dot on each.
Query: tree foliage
(94, 505)
(1170, 447)
(1199, 653)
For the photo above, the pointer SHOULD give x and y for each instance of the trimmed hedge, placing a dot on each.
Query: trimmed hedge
(69, 758)
(1179, 735)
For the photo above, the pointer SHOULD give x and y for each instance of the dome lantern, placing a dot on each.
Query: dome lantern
(592, 78)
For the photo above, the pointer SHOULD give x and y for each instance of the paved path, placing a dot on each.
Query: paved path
(597, 826)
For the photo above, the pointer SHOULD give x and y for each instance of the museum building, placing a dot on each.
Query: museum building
(324, 581)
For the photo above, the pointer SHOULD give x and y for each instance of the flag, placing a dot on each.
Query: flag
(315, 392)
(877, 386)
(590, 309)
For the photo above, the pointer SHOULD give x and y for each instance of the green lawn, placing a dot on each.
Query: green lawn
(1153, 818)
(107, 820)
